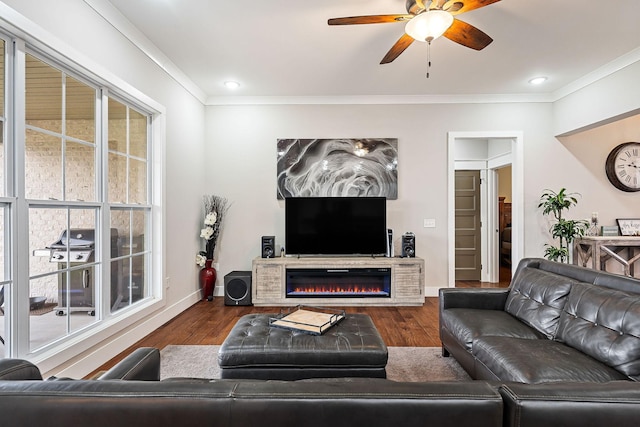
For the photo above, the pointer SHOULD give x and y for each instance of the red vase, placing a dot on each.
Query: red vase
(207, 280)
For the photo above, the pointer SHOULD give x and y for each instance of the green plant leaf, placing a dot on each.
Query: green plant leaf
(564, 230)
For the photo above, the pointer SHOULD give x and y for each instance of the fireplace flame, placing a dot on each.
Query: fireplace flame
(330, 289)
(340, 284)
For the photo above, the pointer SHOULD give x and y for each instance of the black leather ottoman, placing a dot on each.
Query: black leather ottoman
(255, 350)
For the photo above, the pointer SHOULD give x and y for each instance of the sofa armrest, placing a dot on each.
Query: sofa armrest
(18, 369)
(479, 298)
(142, 365)
(615, 403)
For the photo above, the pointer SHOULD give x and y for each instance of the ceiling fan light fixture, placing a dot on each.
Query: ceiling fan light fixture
(429, 25)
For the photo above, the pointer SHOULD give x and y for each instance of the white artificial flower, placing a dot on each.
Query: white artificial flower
(200, 260)
(206, 233)
(211, 218)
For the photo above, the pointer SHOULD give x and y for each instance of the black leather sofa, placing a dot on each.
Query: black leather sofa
(556, 322)
(131, 395)
(562, 341)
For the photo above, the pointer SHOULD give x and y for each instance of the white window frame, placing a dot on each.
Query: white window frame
(25, 33)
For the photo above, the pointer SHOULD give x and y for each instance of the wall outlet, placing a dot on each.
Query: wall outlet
(429, 223)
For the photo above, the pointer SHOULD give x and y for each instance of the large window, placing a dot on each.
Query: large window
(60, 161)
(60, 168)
(82, 199)
(128, 201)
(5, 227)
(2, 118)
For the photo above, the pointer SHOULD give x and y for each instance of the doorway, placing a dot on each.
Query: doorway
(468, 237)
(504, 222)
(489, 162)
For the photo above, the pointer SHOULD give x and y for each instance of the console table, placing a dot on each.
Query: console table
(269, 280)
(595, 251)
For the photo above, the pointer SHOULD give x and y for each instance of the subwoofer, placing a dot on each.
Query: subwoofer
(268, 246)
(408, 245)
(237, 288)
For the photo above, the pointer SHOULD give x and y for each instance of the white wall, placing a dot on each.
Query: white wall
(88, 38)
(498, 147)
(471, 149)
(590, 150)
(243, 139)
(603, 101)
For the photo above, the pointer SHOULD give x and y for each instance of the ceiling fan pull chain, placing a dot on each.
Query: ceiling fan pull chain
(428, 57)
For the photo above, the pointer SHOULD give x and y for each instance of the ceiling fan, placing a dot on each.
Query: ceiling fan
(426, 20)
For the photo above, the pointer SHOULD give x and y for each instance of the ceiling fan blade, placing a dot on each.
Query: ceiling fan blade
(456, 7)
(371, 19)
(467, 35)
(395, 51)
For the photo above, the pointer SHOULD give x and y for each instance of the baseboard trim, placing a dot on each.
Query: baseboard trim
(107, 350)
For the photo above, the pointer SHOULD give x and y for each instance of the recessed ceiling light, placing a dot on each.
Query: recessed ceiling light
(231, 85)
(537, 80)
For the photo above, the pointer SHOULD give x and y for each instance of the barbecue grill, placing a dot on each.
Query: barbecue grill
(76, 247)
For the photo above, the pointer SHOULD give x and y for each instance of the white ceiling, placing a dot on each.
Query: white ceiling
(285, 48)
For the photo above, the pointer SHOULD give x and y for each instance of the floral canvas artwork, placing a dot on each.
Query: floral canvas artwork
(338, 168)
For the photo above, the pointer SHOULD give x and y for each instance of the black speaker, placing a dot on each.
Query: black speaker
(408, 245)
(237, 288)
(268, 246)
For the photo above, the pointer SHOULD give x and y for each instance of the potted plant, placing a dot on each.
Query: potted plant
(565, 230)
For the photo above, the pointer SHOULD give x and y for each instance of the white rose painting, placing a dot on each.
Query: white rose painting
(338, 168)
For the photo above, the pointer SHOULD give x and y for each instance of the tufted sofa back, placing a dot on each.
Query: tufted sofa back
(537, 298)
(605, 324)
(592, 311)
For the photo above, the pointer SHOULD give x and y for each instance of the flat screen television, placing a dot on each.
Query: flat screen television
(336, 226)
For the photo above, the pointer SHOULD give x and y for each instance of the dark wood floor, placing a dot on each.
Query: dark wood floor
(208, 323)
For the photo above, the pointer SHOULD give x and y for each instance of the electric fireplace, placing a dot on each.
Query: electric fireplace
(338, 283)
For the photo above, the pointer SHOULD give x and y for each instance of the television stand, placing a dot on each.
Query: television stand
(269, 281)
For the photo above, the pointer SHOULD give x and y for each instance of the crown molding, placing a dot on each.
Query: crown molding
(39, 39)
(550, 97)
(598, 74)
(377, 99)
(117, 20)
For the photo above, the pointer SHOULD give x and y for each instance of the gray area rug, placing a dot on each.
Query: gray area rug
(405, 363)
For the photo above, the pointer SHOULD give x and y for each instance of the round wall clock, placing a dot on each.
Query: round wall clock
(623, 166)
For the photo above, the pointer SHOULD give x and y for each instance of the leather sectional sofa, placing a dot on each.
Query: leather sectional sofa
(562, 341)
(514, 387)
(131, 395)
(556, 322)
